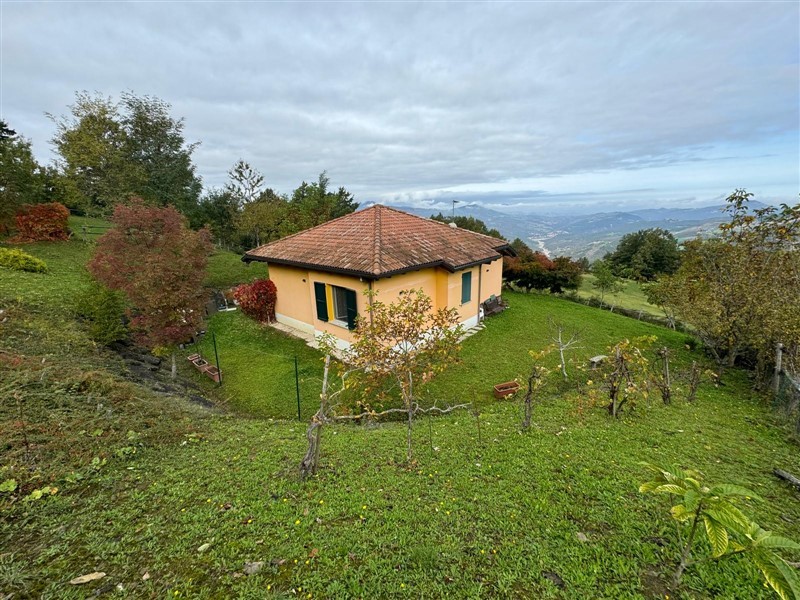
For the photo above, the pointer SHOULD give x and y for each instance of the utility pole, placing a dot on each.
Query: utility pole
(454, 208)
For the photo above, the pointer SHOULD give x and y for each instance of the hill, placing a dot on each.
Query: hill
(169, 498)
(594, 234)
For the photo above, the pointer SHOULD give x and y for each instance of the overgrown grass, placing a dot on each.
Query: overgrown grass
(482, 511)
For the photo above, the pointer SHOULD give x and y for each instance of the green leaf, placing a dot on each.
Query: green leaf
(669, 488)
(681, 513)
(779, 577)
(691, 499)
(778, 542)
(717, 535)
(649, 486)
(727, 489)
(9, 485)
(730, 516)
(789, 574)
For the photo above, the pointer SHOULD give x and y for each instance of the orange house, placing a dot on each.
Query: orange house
(322, 273)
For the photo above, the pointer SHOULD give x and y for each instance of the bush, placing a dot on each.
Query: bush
(257, 299)
(42, 223)
(16, 259)
(104, 310)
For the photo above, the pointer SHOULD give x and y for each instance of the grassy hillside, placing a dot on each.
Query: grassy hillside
(171, 499)
(631, 297)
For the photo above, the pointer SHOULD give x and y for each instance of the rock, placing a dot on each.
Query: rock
(582, 537)
(87, 578)
(251, 568)
(554, 578)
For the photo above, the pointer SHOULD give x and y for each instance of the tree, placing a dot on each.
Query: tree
(245, 182)
(313, 204)
(111, 151)
(158, 263)
(536, 271)
(22, 179)
(740, 291)
(265, 219)
(714, 510)
(161, 161)
(218, 211)
(604, 279)
(402, 344)
(645, 254)
(469, 223)
(563, 340)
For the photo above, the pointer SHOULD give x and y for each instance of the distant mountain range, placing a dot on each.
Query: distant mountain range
(595, 234)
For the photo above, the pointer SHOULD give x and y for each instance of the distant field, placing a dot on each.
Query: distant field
(631, 297)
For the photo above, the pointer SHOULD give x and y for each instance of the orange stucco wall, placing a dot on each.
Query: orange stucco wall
(296, 305)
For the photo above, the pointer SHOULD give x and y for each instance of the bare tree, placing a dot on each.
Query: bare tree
(564, 340)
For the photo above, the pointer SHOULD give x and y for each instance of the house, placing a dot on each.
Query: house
(322, 273)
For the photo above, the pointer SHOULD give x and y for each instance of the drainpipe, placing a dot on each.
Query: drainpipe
(480, 274)
(369, 284)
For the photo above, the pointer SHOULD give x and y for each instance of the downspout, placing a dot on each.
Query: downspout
(480, 274)
(369, 284)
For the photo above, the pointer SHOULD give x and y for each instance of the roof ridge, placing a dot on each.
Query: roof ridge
(376, 248)
(443, 224)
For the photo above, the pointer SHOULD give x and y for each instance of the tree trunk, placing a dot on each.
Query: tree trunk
(676, 579)
(409, 398)
(308, 466)
(174, 366)
(563, 363)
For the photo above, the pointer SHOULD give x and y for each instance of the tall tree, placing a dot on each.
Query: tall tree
(313, 204)
(645, 254)
(152, 257)
(218, 211)
(22, 179)
(265, 219)
(110, 151)
(160, 159)
(244, 183)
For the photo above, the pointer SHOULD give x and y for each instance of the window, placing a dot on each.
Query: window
(339, 303)
(336, 304)
(466, 287)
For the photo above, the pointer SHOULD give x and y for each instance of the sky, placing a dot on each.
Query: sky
(548, 107)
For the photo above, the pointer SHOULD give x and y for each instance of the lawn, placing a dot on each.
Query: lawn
(172, 500)
(631, 297)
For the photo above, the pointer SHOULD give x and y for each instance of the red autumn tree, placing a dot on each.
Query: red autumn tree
(42, 223)
(159, 264)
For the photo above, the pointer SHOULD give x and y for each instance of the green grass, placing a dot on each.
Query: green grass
(481, 512)
(631, 297)
(226, 269)
(258, 367)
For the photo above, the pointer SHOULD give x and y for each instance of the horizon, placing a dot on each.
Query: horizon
(417, 104)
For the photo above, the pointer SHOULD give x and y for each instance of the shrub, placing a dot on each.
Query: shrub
(257, 299)
(104, 310)
(42, 223)
(16, 259)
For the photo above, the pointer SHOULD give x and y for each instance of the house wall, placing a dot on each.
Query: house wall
(296, 305)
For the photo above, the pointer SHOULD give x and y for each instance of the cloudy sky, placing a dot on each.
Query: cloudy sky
(549, 107)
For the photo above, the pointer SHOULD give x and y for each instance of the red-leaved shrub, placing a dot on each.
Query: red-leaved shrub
(257, 299)
(42, 223)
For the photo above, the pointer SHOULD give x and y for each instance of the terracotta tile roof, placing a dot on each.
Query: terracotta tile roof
(380, 241)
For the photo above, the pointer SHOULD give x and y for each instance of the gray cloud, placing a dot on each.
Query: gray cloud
(403, 101)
